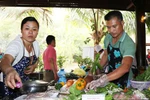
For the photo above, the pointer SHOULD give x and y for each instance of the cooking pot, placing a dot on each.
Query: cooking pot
(35, 86)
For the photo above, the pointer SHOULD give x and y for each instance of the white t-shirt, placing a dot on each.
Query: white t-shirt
(16, 49)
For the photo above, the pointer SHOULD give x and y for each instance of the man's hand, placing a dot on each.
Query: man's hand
(92, 85)
(101, 82)
(11, 78)
(56, 77)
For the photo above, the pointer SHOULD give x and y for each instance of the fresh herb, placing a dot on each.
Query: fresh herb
(146, 92)
(145, 76)
(95, 64)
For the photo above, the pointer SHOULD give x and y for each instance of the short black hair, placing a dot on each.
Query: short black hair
(49, 39)
(28, 19)
(113, 14)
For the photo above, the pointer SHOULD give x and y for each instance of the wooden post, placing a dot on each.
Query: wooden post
(140, 36)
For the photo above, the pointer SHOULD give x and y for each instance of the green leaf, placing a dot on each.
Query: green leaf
(74, 91)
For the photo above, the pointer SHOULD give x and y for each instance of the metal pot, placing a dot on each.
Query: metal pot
(35, 86)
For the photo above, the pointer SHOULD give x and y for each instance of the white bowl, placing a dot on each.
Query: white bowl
(140, 84)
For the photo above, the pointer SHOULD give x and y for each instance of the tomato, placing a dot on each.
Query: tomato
(69, 83)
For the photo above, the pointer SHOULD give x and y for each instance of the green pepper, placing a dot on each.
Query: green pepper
(58, 86)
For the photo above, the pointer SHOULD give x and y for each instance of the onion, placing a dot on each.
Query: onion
(18, 85)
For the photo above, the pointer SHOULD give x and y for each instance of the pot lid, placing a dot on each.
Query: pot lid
(35, 83)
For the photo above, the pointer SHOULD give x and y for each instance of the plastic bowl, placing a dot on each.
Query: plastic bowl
(140, 84)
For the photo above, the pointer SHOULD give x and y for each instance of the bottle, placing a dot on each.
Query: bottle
(62, 77)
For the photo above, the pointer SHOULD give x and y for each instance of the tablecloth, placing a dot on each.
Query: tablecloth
(50, 94)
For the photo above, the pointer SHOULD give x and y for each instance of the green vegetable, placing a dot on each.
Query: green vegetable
(145, 76)
(101, 90)
(146, 92)
(58, 86)
(108, 97)
(71, 76)
(130, 91)
(96, 64)
(74, 90)
(91, 92)
(105, 89)
(74, 93)
(72, 97)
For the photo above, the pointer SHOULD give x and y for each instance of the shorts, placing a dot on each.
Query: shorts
(48, 75)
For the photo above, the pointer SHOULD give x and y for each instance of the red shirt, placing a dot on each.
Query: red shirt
(148, 56)
(49, 53)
